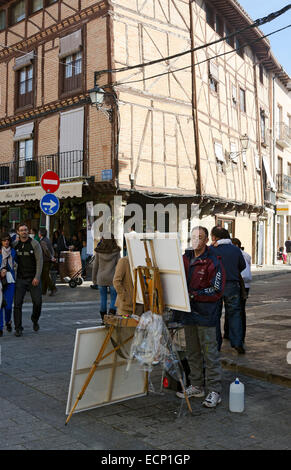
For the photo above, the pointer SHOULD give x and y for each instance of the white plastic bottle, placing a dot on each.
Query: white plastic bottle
(236, 396)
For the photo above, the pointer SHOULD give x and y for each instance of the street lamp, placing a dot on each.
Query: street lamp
(100, 98)
(244, 142)
(97, 96)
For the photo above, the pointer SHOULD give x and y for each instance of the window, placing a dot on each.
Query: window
(213, 84)
(228, 224)
(228, 31)
(219, 26)
(261, 73)
(35, 5)
(2, 20)
(257, 161)
(210, 18)
(17, 12)
(239, 48)
(218, 150)
(25, 86)
(242, 100)
(25, 158)
(213, 72)
(50, 2)
(72, 72)
(234, 95)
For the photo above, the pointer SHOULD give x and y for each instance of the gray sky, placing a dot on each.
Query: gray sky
(280, 42)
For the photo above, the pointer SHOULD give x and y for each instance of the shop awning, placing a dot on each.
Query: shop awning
(33, 193)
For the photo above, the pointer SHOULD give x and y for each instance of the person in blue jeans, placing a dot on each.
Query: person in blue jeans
(234, 263)
(107, 256)
(7, 273)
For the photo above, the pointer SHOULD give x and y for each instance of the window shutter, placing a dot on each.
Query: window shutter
(218, 151)
(23, 61)
(70, 44)
(23, 132)
(213, 70)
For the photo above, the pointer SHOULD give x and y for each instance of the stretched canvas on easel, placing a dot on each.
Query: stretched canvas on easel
(168, 258)
(111, 383)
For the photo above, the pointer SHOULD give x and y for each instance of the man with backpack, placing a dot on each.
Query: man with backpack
(205, 280)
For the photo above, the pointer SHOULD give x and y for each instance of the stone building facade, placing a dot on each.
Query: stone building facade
(175, 129)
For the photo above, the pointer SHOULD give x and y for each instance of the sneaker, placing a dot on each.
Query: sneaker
(35, 326)
(212, 399)
(192, 391)
(18, 332)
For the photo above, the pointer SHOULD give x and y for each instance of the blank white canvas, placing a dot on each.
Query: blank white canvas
(110, 373)
(169, 260)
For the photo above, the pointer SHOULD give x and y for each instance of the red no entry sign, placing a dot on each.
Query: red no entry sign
(50, 181)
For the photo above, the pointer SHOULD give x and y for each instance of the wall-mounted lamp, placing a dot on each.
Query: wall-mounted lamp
(244, 142)
(98, 98)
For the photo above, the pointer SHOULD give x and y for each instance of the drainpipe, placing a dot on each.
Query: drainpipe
(274, 174)
(194, 106)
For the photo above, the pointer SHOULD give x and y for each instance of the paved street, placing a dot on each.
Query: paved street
(35, 374)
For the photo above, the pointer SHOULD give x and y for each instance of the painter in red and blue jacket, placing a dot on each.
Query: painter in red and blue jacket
(206, 280)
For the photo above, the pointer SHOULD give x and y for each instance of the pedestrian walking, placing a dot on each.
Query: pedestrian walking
(234, 263)
(246, 275)
(288, 250)
(48, 254)
(205, 279)
(7, 273)
(107, 256)
(29, 269)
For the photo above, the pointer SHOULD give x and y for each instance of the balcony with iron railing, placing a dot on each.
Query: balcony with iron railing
(68, 165)
(284, 184)
(283, 134)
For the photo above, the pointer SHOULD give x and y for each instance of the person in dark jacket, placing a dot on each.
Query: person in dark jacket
(234, 263)
(29, 268)
(205, 280)
(62, 243)
(48, 258)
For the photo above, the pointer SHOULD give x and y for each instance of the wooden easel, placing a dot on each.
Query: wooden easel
(152, 294)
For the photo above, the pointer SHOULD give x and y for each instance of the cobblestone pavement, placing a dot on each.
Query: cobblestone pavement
(35, 375)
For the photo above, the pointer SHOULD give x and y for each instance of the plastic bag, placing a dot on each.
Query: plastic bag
(152, 342)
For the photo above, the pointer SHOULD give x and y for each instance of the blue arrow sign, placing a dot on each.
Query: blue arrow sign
(50, 204)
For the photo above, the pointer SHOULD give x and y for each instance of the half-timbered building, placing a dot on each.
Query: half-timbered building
(176, 129)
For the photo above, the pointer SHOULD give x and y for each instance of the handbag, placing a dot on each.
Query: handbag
(4, 283)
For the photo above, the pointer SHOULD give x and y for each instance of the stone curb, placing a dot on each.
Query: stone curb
(257, 277)
(258, 374)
